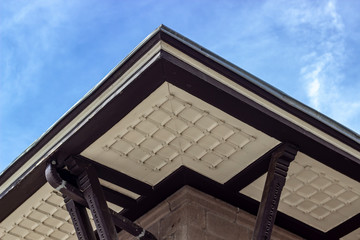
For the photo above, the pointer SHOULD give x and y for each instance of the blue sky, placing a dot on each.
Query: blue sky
(53, 52)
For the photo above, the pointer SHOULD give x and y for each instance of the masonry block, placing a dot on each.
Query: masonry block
(190, 214)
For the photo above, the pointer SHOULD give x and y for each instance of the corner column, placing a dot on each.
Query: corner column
(90, 186)
(80, 220)
(274, 184)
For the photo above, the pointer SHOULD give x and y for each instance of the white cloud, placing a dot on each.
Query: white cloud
(319, 29)
(27, 29)
(29, 38)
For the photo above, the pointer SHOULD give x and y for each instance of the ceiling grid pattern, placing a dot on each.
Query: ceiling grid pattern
(46, 219)
(318, 195)
(178, 129)
(166, 132)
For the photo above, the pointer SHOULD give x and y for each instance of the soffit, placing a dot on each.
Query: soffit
(261, 100)
(172, 128)
(314, 193)
(42, 216)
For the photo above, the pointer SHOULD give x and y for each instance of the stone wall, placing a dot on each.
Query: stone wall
(190, 214)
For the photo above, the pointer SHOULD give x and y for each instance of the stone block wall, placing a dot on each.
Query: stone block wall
(191, 214)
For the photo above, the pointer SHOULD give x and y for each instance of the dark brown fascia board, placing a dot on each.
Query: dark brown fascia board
(23, 189)
(169, 68)
(235, 104)
(89, 132)
(260, 87)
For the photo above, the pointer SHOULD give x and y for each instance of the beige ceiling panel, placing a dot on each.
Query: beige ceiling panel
(172, 128)
(314, 193)
(42, 216)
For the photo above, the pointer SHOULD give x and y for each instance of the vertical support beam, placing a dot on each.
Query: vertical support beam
(274, 184)
(90, 186)
(80, 220)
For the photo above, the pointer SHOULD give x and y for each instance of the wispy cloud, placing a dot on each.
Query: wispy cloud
(297, 46)
(319, 28)
(27, 31)
(29, 38)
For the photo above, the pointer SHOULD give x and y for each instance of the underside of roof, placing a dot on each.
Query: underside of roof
(174, 114)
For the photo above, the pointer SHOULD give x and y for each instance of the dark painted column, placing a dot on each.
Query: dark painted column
(80, 220)
(95, 199)
(274, 184)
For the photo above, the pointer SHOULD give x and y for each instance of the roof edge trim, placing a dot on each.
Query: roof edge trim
(265, 86)
(8, 182)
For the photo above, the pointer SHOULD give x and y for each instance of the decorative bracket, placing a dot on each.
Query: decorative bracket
(90, 195)
(274, 184)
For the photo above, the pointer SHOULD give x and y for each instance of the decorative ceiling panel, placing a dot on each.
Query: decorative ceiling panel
(172, 128)
(42, 216)
(314, 193)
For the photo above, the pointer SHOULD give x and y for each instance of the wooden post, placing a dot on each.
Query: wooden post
(93, 194)
(274, 184)
(80, 220)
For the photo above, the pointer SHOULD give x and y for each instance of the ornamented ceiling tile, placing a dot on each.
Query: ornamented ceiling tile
(31, 225)
(151, 144)
(293, 184)
(320, 213)
(173, 106)
(348, 197)
(208, 142)
(307, 206)
(44, 216)
(320, 197)
(172, 128)
(190, 114)
(19, 231)
(146, 127)
(293, 200)
(306, 191)
(164, 136)
(176, 125)
(196, 151)
(168, 153)
(206, 122)
(193, 133)
(314, 193)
